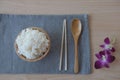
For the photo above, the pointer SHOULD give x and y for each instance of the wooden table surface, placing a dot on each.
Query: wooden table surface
(104, 20)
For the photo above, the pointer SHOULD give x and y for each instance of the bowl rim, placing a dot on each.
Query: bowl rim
(40, 57)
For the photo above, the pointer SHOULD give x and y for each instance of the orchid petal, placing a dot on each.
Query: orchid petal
(113, 49)
(107, 41)
(110, 58)
(98, 64)
(98, 56)
(102, 53)
(102, 46)
(107, 52)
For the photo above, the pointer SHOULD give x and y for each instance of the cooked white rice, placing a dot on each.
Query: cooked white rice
(32, 43)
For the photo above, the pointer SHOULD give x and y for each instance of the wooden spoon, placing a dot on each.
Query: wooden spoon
(76, 31)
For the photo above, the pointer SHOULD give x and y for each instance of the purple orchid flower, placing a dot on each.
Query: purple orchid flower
(104, 58)
(108, 46)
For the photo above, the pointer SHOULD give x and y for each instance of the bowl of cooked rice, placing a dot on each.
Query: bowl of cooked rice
(32, 44)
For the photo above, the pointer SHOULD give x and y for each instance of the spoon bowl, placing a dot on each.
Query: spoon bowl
(76, 28)
(76, 31)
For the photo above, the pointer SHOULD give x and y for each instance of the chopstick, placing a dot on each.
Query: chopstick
(64, 34)
(61, 51)
(65, 45)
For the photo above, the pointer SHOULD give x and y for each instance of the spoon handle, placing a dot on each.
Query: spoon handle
(76, 63)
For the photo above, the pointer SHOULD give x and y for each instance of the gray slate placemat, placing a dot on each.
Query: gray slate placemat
(11, 25)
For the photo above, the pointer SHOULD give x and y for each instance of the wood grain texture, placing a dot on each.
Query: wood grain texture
(104, 20)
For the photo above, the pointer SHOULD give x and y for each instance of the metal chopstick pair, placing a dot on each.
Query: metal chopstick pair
(64, 35)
